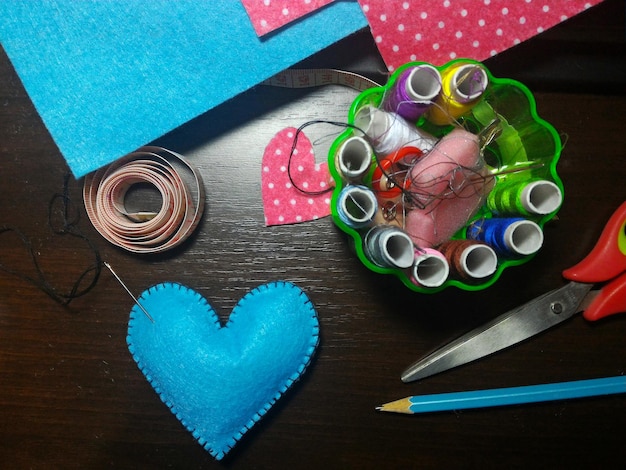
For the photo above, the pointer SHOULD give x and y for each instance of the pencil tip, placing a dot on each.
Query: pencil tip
(399, 406)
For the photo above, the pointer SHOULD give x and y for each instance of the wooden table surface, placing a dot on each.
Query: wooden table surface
(71, 395)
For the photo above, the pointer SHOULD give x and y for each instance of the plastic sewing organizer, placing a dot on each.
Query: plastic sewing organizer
(524, 149)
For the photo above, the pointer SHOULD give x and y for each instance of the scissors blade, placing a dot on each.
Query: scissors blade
(508, 329)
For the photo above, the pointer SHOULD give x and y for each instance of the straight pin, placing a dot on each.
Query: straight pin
(129, 292)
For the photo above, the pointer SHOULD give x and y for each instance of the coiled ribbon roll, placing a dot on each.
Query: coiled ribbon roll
(105, 190)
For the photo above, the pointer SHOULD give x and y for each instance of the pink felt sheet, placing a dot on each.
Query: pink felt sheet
(434, 31)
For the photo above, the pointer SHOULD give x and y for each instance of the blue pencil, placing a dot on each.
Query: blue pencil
(507, 396)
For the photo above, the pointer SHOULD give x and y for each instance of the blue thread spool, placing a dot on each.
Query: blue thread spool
(509, 237)
(389, 247)
(357, 206)
(414, 92)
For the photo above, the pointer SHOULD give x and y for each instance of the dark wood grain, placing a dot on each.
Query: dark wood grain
(72, 396)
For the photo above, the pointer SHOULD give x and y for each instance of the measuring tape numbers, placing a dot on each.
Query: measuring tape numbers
(306, 78)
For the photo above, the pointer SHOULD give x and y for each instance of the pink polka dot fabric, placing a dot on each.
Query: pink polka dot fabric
(440, 30)
(434, 31)
(284, 203)
(269, 15)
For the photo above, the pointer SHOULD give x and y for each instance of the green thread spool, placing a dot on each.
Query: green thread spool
(529, 198)
(510, 148)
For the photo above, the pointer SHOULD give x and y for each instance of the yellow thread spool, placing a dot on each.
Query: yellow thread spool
(462, 85)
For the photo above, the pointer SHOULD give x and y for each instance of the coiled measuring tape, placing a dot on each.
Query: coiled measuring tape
(105, 190)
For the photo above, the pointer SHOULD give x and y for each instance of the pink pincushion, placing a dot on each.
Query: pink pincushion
(448, 185)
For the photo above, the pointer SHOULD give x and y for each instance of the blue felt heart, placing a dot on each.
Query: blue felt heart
(220, 380)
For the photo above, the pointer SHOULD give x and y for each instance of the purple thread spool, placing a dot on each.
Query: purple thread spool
(508, 236)
(415, 91)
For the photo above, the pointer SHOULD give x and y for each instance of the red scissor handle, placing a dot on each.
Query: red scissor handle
(605, 262)
(610, 300)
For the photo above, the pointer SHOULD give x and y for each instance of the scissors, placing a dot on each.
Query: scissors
(605, 263)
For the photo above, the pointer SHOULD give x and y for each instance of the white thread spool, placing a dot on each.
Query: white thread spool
(541, 197)
(430, 268)
(389, 247)
(389, 132)
(357, 206)
(354, 158)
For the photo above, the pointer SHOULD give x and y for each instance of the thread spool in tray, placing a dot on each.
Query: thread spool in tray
(519, 149)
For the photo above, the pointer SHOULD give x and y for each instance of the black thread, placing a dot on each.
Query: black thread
(346, 125)
(409, 196)
(68, 226)
(295, 143)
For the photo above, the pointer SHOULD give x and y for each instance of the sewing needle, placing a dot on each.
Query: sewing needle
(129, 292)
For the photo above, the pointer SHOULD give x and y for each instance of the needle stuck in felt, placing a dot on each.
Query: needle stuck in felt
(128, 290)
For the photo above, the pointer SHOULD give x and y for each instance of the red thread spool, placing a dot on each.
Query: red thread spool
(391, 165)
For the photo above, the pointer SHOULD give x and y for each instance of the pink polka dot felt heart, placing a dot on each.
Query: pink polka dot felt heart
(295, 200)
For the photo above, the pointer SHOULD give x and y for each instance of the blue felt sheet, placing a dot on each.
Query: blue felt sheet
(109, 76)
